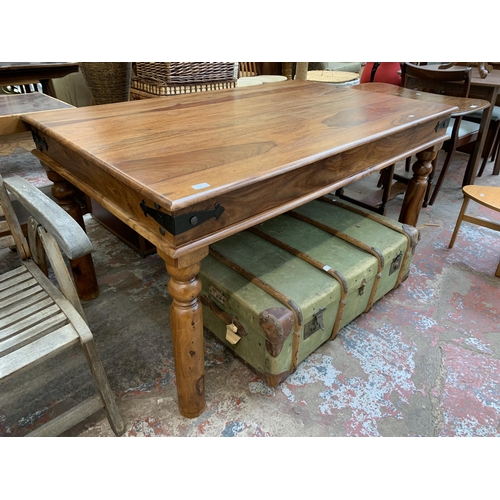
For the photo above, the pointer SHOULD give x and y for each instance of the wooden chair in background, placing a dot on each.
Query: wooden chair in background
(37, 319)
(489, 196)
(448, 82)
(246, 69)
(490, 148)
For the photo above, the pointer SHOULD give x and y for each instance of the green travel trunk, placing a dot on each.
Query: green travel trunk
(276, 292)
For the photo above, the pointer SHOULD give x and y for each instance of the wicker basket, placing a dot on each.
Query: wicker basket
(171, 78)
(108, 81)
(177, 73)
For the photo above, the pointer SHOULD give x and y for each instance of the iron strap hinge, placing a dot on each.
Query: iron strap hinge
(181, 223)
(443, 124)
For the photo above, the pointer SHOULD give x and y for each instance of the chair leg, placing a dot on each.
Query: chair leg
(497, 273)
(388, 177)
(496, 156)
(441, 176)
(384, 174)
(381, 179)
(408, 164)
(102, 385)
(494, 152)
(483, 165)
(429, 183)
(489, 155)
(459, 220)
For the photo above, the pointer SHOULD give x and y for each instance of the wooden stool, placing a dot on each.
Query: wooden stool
(489, 196)
(334, 77)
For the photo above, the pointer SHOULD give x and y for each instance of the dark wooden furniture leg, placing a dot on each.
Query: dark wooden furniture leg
(187, 330)
(475, 158)
(82, 268)
(417, 186)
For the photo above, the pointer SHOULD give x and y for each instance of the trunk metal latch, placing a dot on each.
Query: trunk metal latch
(396, 263)
(315, 324)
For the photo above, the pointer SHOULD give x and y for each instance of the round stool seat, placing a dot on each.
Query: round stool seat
(271, 78)
(489, 196)
(248, 81)
(335, 77)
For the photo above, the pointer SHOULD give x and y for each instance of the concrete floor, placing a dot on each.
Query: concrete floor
(425, 361)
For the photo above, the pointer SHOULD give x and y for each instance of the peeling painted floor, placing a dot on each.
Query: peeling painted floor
(425, 361)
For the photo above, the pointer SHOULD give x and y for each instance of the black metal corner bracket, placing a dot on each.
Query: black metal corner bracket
(40, 142)
(181, 223)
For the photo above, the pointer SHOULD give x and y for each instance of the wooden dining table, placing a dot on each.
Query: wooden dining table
(487, 88)
(189, 170)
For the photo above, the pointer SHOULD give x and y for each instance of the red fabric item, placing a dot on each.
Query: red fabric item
(387, 72)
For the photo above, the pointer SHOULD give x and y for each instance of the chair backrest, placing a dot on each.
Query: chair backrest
(66, 231)
(247, 69)
(53, 230)
(11, 233)
(437, 81)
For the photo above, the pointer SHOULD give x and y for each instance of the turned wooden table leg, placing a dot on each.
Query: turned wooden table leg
(417, 186)
(187, 331)
(82, 268)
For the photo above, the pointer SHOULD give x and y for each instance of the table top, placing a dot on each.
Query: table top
(255, 148)
(21, 66)
(185, 149)
(12, 106)
(17, 73)
(464, 105)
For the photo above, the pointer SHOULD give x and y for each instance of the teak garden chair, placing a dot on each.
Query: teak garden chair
(38, 319)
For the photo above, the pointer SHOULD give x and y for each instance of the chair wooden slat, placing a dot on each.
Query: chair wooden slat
(30, 307)
(70, 418)
(38, 350)
(12, 273)
(8, 300)
(30, 321)
(31, 334)
(7, 241)
(17, 302)
(18, 287)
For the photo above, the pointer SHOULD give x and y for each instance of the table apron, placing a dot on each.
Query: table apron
(244, 206)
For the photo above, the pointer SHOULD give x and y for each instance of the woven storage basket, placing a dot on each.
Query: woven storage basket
(108, 81)
(172, 78)
(186, 72)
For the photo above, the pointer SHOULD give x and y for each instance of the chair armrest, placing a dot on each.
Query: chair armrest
(67, 232)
